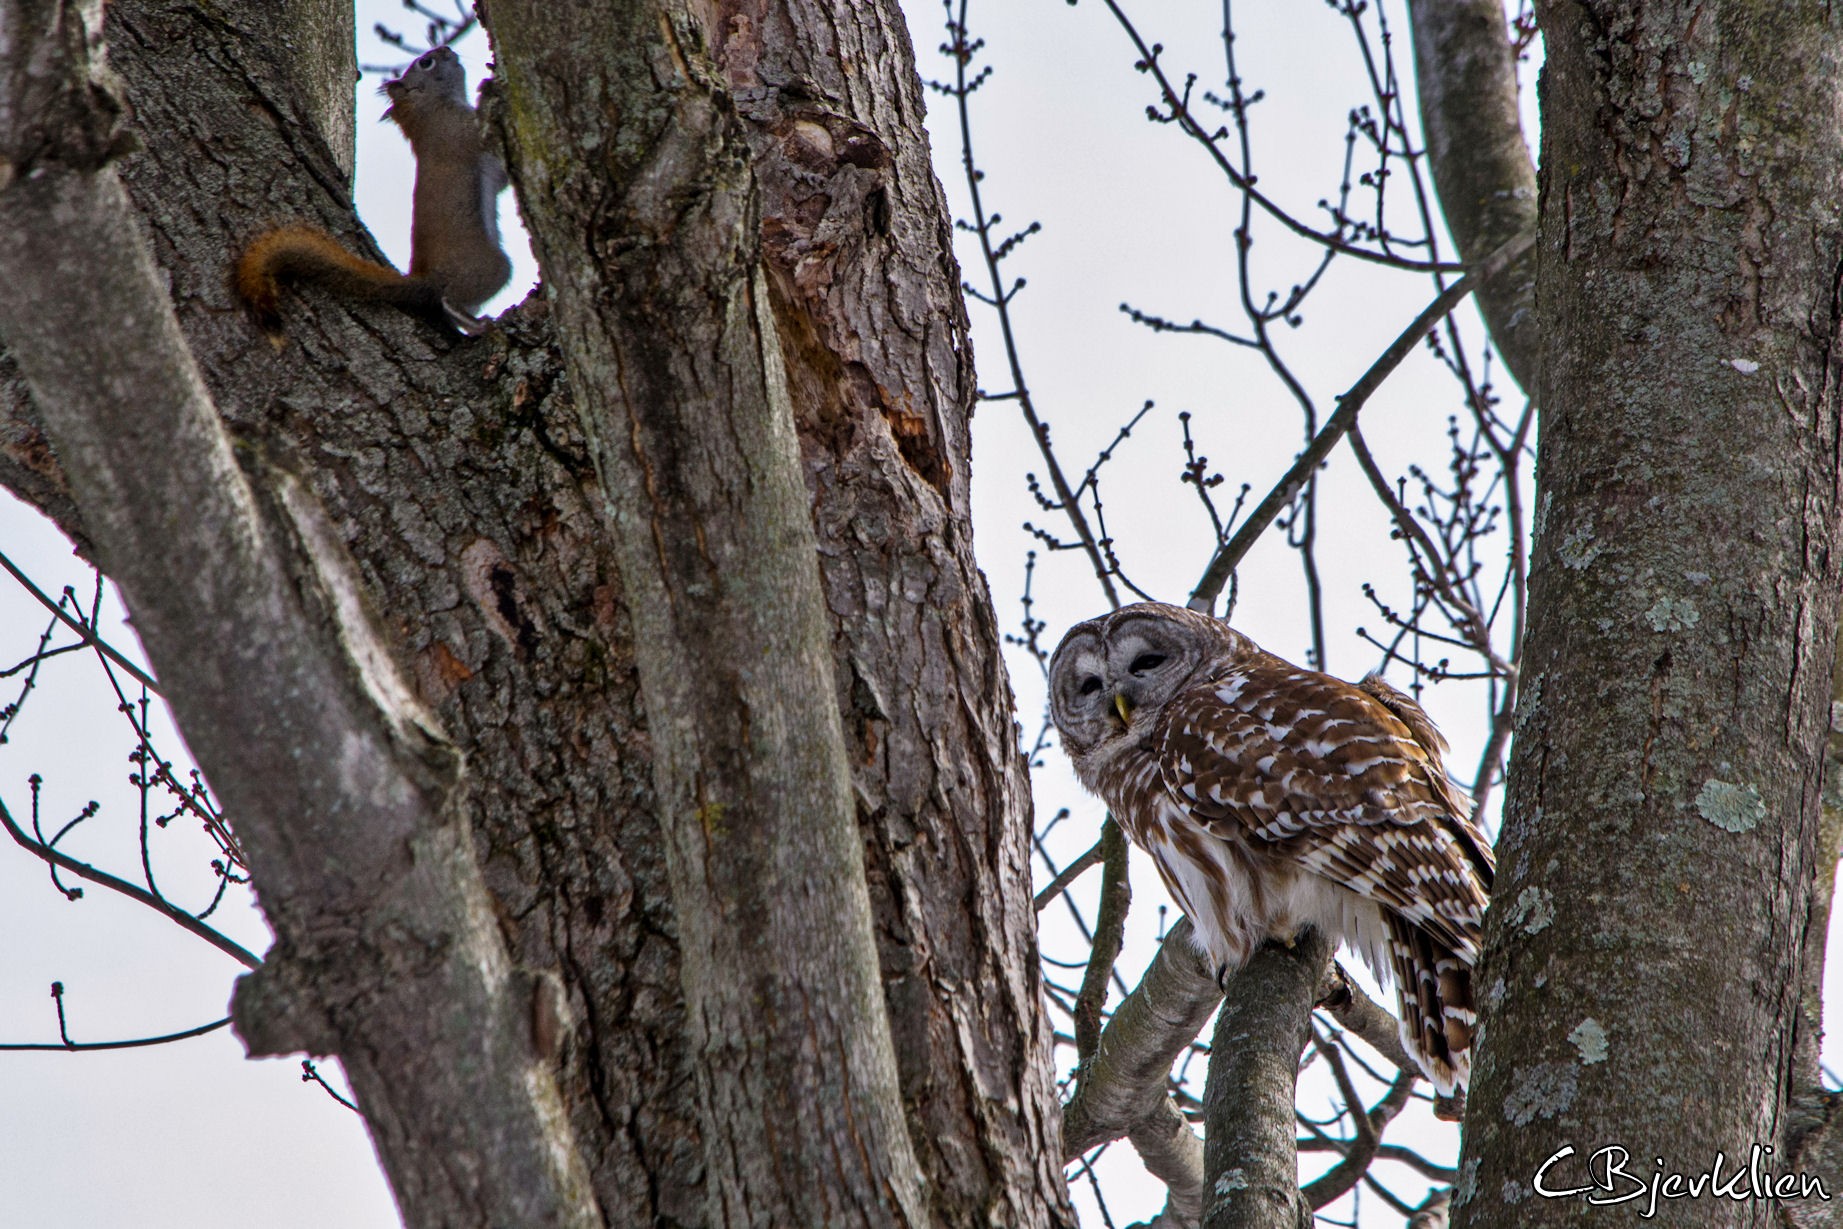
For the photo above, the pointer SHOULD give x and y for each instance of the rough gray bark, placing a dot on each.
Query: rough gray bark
(324, 65)
(1466, 81)
(866, 297)
(28, 466)
(459, 479)
(1250, 1161)
(386, 952)
(675, 361)
(455, 475)
(1647, 944)
(866, 294)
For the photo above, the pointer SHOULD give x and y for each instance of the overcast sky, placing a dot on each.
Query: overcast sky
(193, 1134)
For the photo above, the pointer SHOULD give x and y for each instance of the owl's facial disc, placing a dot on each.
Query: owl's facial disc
(1111, 677)
(1147, 662)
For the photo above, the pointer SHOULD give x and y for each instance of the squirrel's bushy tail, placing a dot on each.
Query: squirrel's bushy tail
(299, 253)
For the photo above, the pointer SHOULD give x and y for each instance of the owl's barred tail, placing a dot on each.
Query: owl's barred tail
(1438, 1015)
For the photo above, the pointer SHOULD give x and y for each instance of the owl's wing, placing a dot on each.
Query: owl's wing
(1325, 774)
(1459, 803)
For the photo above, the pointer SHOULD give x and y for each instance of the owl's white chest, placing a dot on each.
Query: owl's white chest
(1237, 898)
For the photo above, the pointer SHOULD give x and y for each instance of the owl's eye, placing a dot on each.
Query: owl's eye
(1147, 661)
(1090, 685)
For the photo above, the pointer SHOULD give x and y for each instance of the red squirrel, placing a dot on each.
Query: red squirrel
(456, 261)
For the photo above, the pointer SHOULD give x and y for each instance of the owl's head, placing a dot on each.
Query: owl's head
(1110, 678)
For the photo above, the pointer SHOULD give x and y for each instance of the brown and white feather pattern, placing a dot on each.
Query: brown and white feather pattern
(1271, 797)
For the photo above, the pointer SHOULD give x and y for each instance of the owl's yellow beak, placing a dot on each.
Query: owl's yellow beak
(1124, 707)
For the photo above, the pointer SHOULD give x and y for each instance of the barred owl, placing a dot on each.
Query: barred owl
(1271, 797)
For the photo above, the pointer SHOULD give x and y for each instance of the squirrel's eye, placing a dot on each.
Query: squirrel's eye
(1147, 661)
(1090, 685)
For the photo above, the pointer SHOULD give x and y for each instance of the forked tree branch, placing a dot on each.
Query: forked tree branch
(1122, 1090)
(341, 779)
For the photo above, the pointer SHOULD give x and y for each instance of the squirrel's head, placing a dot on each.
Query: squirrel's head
(436, 76)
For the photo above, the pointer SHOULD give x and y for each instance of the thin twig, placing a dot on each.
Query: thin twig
(1478, 633)
(310, 1074)
(135, 1044)
(76, 625)
(1180, 111)
(1069, 875)
(1338, 1180)
(1203, 597)
(83, 870)
(963, 49)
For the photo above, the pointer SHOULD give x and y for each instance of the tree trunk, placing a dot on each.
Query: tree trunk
(461, 477)
(1646, 944)
(675, 362)
(857, 248)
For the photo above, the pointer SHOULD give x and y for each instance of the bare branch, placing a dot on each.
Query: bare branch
(1070, 873)
(1109, 934)
(1250, 1167)
(1384, 1152)
(1177, 108)
(1465, 77)
(134, 1044)
(1346, 1003)
(1124, 1083)
(1436, 571)
(80, 627)
(1362, 1150)
(1169, 1148)
(963, 48)
(310, 1074)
